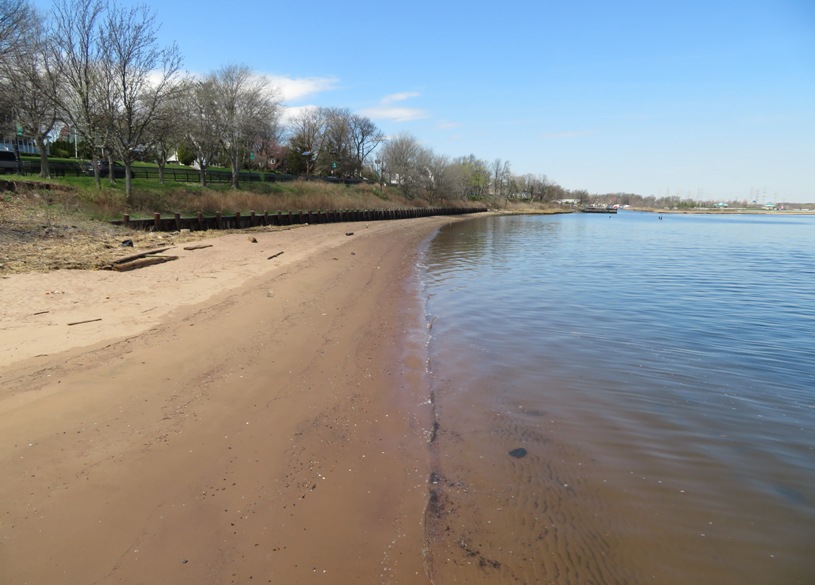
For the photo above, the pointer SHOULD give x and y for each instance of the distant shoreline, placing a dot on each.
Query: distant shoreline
(731, 211)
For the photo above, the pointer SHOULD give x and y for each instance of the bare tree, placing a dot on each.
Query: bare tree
(510, 186)
(202, 125)
(470, 177)
(307, 137)
(543, 189)
(73, 65)
(501, 178)
(401, 158)
(269, 152)
(337, 146)
(28, 90)
(247, 109)
(166, 131)
(348, 140)
(16, 19)
(496, 168)
(438, 175)
(364, 137)
(141, 77)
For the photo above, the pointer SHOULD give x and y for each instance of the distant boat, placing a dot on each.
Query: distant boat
(608, 209)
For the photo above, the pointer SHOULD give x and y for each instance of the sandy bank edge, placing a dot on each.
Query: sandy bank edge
(165, 463)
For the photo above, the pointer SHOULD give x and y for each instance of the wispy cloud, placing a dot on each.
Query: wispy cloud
(388, 111)
(399, 97)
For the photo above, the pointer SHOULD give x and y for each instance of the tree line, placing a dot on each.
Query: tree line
(97, 69)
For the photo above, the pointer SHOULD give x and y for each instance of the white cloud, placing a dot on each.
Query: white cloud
(293, 89)
(447, 125)
(399, 97)
(396, 114)
(290, 89)
(386, 110)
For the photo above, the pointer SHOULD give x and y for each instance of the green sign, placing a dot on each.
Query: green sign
(333, 165)
(251, 155)
(19, 130)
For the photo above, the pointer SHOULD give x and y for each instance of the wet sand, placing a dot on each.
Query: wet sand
(229, 418)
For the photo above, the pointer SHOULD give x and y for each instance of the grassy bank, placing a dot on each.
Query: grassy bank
(80, 195)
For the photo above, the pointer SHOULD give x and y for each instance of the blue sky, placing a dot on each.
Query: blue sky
(696, 98)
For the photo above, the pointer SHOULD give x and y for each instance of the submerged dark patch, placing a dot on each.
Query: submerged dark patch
(518, 453)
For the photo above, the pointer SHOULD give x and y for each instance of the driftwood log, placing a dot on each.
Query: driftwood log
(142, 262)
(198, 247)
(130, 257)
(85, 321)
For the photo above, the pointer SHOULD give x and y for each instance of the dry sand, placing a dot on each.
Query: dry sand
(222, 418)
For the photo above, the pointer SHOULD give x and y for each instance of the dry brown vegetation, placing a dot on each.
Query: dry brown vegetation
(51, 226)
(297, 195)
(37, 236)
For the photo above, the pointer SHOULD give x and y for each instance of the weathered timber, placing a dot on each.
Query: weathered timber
(130, 257)
(142, 262)
(85, 321)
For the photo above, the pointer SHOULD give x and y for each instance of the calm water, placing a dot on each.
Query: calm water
(660, 375)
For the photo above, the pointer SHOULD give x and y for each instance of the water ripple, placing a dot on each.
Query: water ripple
(670, 367)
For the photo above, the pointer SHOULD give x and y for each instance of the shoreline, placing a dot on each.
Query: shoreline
(231, 418)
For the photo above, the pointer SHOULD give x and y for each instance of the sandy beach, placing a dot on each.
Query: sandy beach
(223, 418)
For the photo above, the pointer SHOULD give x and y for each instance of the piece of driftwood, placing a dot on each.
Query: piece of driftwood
(85, 321)
(274, 256)
(142, 262)
(198, 247)
(130, 257)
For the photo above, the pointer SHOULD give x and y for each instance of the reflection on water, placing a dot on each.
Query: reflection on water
(659, 374)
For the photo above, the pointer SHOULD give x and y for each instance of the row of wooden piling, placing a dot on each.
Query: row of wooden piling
(282, 218)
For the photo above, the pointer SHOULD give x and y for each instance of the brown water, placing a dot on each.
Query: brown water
(660, 375)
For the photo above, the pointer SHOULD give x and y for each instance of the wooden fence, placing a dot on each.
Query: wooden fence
(283, 218)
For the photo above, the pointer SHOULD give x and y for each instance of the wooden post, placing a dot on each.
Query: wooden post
(178, 222)
(126, 220)
(157, 221)
(237, 220)
(200, 221)
(218, 219)
(251, 219)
